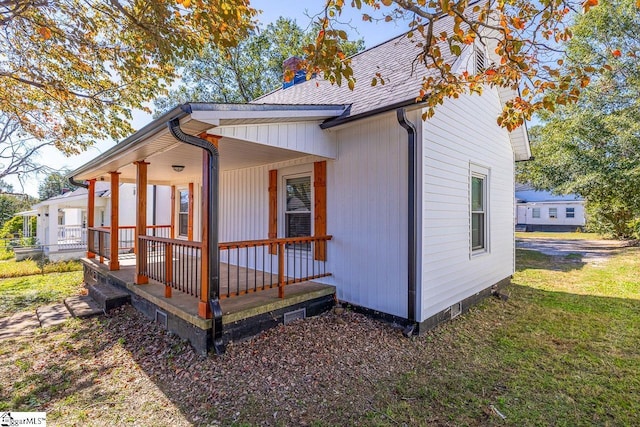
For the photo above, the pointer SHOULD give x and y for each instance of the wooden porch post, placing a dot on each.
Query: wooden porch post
(273, 209)
(114, 264)
(204, 310)
(320, 208)
(141, 222)
(91, 211)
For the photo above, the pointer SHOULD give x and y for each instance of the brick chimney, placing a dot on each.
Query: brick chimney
(299, 76)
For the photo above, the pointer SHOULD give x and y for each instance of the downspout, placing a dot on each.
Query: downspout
(411, 220)
(212, 227)
(77, 183)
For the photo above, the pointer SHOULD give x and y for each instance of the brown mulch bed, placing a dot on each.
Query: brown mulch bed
(325, 370)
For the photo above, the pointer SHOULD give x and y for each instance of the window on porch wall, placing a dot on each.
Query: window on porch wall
(297, 219)
(183, 213)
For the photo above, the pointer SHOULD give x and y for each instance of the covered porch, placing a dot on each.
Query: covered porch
(224, 289)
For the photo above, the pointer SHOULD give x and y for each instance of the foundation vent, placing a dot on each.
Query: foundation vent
(456, 310)
(161, 318)
(295, 315)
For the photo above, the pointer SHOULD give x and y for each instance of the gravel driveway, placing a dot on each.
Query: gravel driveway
(591, 250)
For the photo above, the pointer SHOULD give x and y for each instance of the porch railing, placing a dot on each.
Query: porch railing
(72, 236)
(245, 266)
(256, 265)
(127, 233)
(175, 263)
(99, 241)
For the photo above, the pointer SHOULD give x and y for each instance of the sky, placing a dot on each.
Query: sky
(301, 10)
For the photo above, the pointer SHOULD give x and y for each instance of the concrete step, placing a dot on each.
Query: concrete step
(82, 306)
(50, 315)
(107, 296)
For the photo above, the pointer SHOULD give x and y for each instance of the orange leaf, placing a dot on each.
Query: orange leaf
(588, 4)
(45, 33)
(616, 52)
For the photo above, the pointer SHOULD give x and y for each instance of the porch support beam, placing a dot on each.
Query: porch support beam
(91, 213)
(141, 222)
(210, 221)
(114, 263)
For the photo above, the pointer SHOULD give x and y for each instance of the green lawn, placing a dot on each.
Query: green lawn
(29, 292)
(563, 350)
(554, 235)
(13, 268)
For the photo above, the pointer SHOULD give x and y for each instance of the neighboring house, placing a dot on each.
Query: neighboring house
(538, 210)
(331, 192)
(62, 220)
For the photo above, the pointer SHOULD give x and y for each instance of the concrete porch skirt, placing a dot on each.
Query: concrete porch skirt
(243, 316)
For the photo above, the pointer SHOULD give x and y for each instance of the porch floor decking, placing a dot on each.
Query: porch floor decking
(234, 309)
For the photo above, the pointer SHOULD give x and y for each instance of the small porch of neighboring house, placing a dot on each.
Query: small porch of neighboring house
(223, 268)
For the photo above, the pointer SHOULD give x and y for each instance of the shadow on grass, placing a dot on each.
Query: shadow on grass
(541, 358)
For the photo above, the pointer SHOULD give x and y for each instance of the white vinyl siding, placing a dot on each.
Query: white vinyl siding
(464, 132)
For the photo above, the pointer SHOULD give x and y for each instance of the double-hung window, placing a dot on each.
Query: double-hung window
(536, 212)
(297, 215)
(183, 213)
(553, 213)
(479, 211)
(570, 212)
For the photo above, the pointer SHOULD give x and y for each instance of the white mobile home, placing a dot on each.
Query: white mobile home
(328, 192)
(538, 210)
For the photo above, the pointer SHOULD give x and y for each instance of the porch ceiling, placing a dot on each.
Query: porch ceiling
(234, 154)
(155, 144)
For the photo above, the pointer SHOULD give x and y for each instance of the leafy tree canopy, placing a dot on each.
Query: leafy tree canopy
(72, 70)
(592, 148)
(53, 185)
(244, 72)
(10, 204)
(525, 37)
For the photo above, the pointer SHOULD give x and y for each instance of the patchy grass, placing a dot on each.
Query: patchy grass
(558, 236)
(564, 349)
(28, 267)
(29, 292)
(5, 253)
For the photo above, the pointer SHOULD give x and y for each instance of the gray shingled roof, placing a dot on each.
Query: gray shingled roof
(394, 59)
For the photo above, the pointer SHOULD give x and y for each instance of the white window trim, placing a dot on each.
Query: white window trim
(556, 215)
(283, 175)
(177, 208)
(479, 171)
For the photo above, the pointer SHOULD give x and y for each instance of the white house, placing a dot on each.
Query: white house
(538, 210)
(62, 220)
(315, 184)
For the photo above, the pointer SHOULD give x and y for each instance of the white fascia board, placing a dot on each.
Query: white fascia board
(311, 114)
